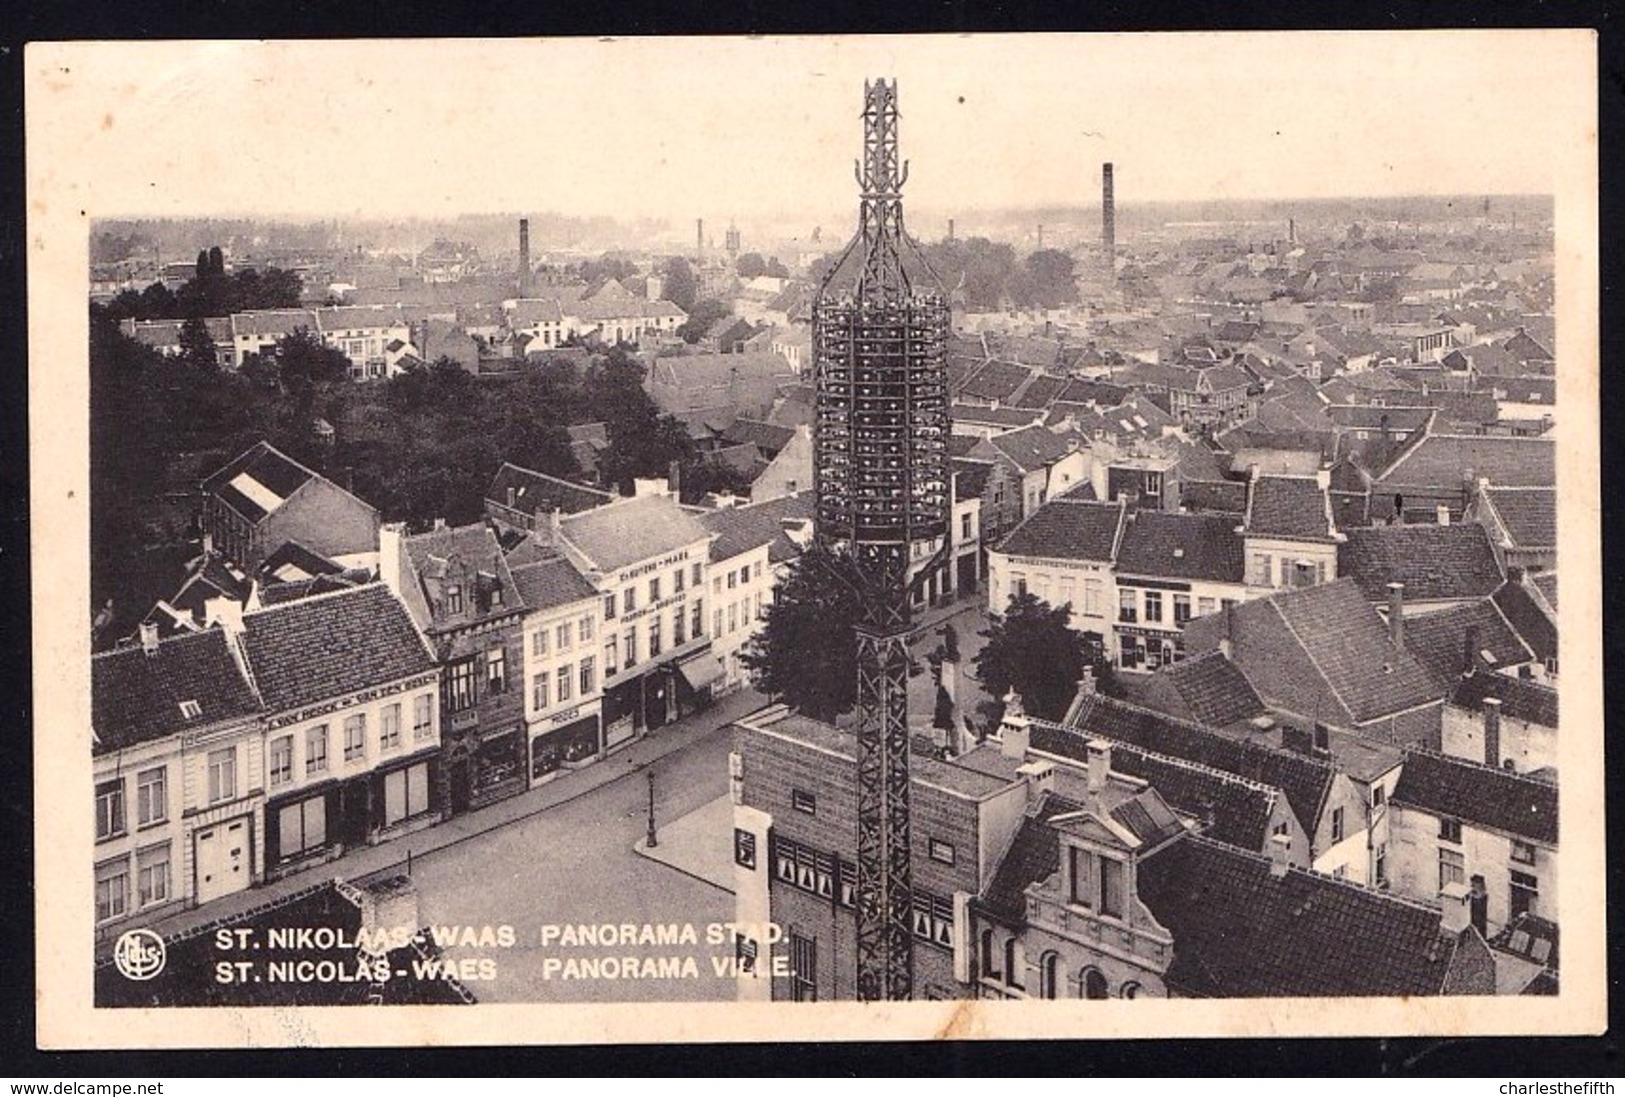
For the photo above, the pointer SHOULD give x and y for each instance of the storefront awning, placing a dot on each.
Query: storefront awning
(700, 669)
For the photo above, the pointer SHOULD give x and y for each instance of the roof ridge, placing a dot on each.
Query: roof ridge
(1326, 878)
(341, 592)
(1319, 670)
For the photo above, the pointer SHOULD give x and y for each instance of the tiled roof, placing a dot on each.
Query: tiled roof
(295, 561)
(136, 697)
(972, 476)
(1012, 417)
(1434, 562)
(1100, 393)
(536, 491)
(1439, 640)
(1305, 781)
(320, 648)
(355, 317)
(1068, 529)
(630, 530)
(1211, 690)
(1342, 637)
(1042, 392)
(1528, 618)
(764, 436)
(1484, 796)
(1034, 855)
(476, 546)
(259, 481)
(550, 582)
(1032, 447)
(276, 594)
(1241, 932)
(1546, 584)
(1182, 546)
(996, 381)
(1446, 460)
(1528, 514)
(272, 321)
(741, 529)
(1289, 506)
(1521, 698)
(1224, 496)
(529, 311)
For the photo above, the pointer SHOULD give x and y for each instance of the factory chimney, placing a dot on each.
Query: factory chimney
(1108, 215)
(699, 235)
(524, 257)
(950, 230)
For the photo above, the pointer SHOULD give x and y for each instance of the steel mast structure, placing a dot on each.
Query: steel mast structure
(881, 477)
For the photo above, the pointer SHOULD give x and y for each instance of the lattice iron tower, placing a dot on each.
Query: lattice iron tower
(881, 475)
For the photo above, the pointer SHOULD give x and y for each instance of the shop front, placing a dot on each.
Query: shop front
(404, 794)
(571, 741)
(302, 828)
(698, 675)
(1146, 649)
(483, 767)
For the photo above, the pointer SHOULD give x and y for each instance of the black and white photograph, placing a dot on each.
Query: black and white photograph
(1010, 535)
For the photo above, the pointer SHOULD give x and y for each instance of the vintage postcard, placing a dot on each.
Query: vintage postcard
(815, 538)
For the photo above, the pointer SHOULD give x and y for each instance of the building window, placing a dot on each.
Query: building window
(1452, 867)
(109, 809)
(1525, 895)
(744, 848)
(654, 588)
(406, 793)
(1129, 990)
(1379, 796)
(112, 889)
(940, 851)
(303, 826)
(584, 628)
(355, 737)
(1337, 824)
(678, 636)
(654, 637)
(803, 968)
(316, 749)
(563, 679)
(677, 581)
(1523, 852)
(1049, 970)
(152, 875)
(1182, 608)
(1012, 964)
(1083, 877)
(538, 690)
(1018, 585)
(422, 717)
(281, 766)
(733, 616)
(1379, 865)
(538, 642)
(990, 958)
(756, 606)
(697, 619)
(1094, 984)
(561, 635)
(804, 801)
(1153, 605)
(1091, 597)
(733, 579)
(459, 689)
(389, 735)
(630, 641)
(496, 670)
(1262, 569)
(1111, 887)
(696, 577)
(454, 599)
(716, 623)
(1450, 831)
(964, 527)
(612, 654)
(222, 775)
(609, 607)
(1126, 610)
(152, 797)
(629, 600)
(588, 675)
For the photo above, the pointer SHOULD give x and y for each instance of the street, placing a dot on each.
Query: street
(574, 864)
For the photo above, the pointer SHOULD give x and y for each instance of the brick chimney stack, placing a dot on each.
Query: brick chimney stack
(524, 257)
(1396, 614)
(1100, 763)
(1492, 732)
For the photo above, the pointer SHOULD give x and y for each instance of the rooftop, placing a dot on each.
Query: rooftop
(258, 481)
(1182, 546)
(1434, 562)
(1529, 515)
(1294, 507)
(550, 582)
(533, 492)
(629, 531)
(1068, 529)
(1484, 796)
(137, 697)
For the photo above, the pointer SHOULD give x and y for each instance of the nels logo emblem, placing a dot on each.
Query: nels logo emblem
(139, 954)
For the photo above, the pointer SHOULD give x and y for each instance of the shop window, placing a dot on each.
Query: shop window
(406, 793)
(303, 827)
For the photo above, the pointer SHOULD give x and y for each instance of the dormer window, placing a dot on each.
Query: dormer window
(454, 599)
(191, 710)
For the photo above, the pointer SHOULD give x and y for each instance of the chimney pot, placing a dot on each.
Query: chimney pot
(1492, 731)
(1396, 614)
(1443, 513)
(1455, 908)
(1100, 763)
(149, 637)
(1280, 850)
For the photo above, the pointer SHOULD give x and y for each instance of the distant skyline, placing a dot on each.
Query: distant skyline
(766, 129)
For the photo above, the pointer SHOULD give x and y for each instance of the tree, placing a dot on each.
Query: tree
(776, 269)
(1031, 648)
(1050, 279)
(751, 265)
(197, 346)
(806, 651)
(680, 287)
(705, 312)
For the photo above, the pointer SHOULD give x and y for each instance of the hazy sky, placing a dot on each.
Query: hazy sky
(761, 128)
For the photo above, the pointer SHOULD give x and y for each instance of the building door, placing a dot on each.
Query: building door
(461, 782)
(222, 859)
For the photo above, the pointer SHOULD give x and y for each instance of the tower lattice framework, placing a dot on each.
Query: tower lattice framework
(882, 483)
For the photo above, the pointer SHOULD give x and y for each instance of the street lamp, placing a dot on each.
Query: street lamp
(650, 840)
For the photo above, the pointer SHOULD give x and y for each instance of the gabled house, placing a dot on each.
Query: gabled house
(351, 729)
(1063, 554)
(1462, 825)
(522, 500)
(1440, 565)
(1291, 537)
(1521, 523)
(178, 768)
(456, 583)
(264, 499)
(1168, 569)
(561, 680)
(1046, 463)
